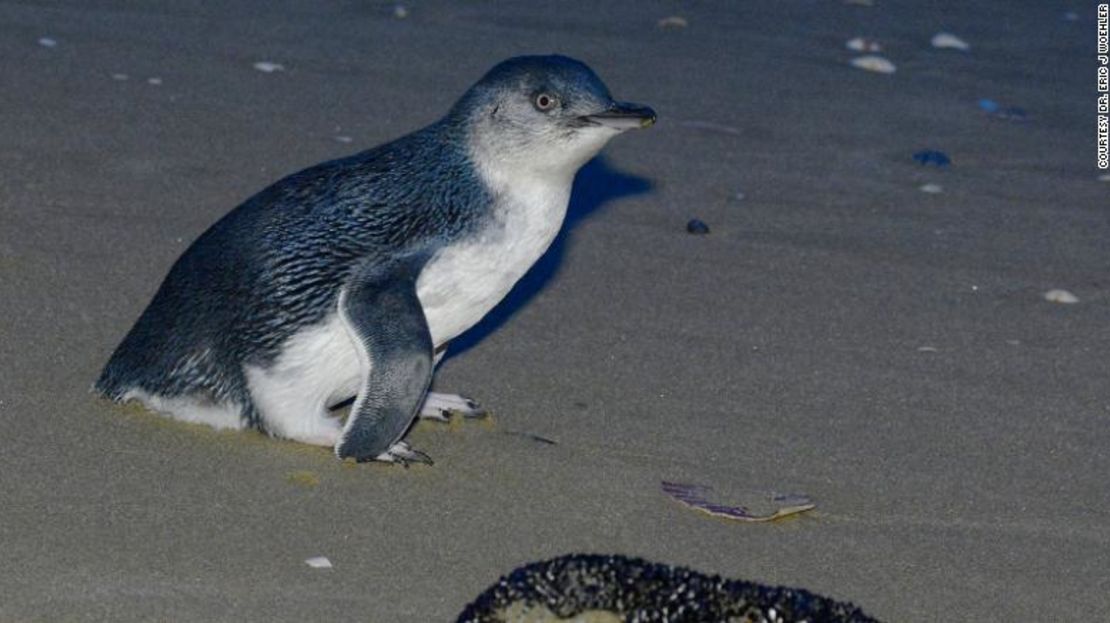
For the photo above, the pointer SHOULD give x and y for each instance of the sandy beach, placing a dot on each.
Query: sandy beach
(840, 333)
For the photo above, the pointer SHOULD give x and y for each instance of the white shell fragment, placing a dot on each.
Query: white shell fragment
(931, 188)
(673, 21)
(1061, 296)
(342, 138)
(710, 126)
(928, 349)
(875, 63)
(860, 44)
(948, 40)
(318, 562)
(268, 67)
(47, 42)
(155, 81)
(400, 12)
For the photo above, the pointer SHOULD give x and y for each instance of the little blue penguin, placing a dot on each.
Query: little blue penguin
(349, 278)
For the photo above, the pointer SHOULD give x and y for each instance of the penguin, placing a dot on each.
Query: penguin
(348, 279)
(615, 589)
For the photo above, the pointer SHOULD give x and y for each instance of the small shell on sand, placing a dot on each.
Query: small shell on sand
(948, 40)
(875, 63)
(931, 188)
(268, 67)
(860, 44)
(318, 562)
(697, 498)
(673, 21)
(47, 42)
(1061, 296)
(400, 12)
(156, 81)
(342, 138)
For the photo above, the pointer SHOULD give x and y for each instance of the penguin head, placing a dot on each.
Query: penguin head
(549, 114)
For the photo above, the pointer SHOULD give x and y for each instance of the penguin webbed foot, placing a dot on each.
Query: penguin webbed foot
(402, 454)
(440, 407)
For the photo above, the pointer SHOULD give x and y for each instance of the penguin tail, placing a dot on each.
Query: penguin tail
(109, 384)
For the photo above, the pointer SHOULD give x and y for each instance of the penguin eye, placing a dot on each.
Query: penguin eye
(546, 101)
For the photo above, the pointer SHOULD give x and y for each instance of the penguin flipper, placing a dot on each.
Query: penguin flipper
(386, 322)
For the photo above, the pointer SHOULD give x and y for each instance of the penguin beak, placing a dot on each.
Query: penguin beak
(622, 116)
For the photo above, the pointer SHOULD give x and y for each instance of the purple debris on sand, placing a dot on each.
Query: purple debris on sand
(697, 497)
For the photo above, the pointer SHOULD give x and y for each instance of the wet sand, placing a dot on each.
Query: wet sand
(839, 333)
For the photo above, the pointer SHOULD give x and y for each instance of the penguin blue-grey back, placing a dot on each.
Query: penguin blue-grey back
(349, 278)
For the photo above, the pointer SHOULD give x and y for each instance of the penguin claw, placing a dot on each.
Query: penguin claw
(440, 407)
(439, 415)
(402, 454)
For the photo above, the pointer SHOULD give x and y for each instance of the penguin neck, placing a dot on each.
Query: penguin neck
(524, 213)
(508, 174)
(528, 204)
(509, 161)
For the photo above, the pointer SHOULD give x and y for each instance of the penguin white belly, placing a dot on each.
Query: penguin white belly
(318, 367)
(189, 408)
(463, 282)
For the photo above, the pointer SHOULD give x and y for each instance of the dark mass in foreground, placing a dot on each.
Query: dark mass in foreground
(616, 588)
(348, 279)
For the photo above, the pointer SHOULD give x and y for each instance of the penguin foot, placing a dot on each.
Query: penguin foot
(441, 407)
(401, 453)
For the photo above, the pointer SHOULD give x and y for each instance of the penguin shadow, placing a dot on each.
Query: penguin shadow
(596, 184)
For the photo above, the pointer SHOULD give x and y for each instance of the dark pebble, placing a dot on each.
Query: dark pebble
(697, 227)
(933, 157)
